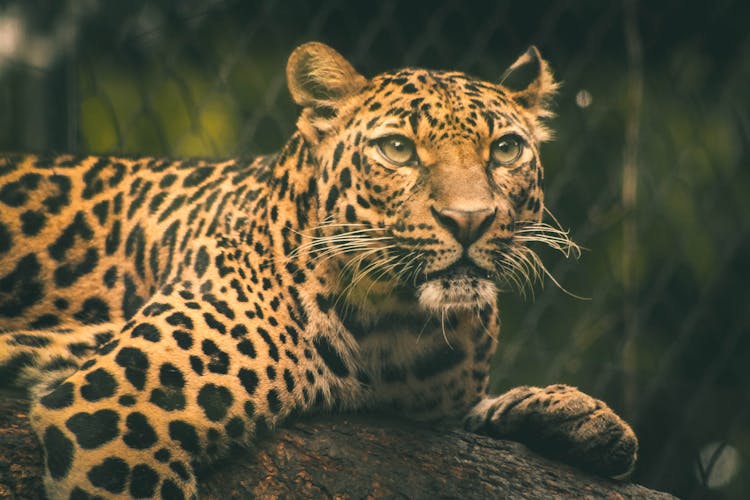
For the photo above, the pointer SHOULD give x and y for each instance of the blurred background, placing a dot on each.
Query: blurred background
(649, 168)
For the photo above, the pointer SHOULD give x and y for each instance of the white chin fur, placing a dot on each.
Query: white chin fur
(456, 294)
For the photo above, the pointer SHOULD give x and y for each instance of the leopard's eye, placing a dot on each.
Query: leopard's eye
(397, 149)
(507, 149)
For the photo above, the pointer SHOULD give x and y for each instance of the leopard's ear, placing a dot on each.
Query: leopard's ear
(318, 78)
(530, 82)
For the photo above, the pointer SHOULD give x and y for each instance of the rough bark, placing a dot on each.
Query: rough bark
(347, 457)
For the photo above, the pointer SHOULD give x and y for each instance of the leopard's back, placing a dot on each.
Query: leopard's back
(86, 240)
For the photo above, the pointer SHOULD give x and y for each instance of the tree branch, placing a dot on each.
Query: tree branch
(346, 457)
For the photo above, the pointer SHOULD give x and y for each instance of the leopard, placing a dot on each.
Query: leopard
(164, 311)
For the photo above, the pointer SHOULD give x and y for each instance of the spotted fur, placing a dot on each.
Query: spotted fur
(163, 310)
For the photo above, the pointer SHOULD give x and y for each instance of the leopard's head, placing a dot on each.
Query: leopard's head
(429, 182)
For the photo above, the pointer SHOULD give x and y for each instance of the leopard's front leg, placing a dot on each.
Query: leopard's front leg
(185, 377)
(562, 422)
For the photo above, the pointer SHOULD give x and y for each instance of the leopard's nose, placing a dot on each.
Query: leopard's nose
(465, 225)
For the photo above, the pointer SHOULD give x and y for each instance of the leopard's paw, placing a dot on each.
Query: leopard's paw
(561, 422)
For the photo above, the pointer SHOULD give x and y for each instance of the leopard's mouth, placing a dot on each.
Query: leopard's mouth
(462, 285)
(462, 269)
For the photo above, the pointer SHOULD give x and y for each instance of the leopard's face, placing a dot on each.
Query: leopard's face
(431, 185)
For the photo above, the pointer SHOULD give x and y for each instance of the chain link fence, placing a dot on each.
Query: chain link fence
(649, 169)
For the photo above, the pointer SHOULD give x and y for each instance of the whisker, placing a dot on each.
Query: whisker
(529, 265)
(357, 272)
(516, 271)
(427, 321)
(329, 253)
(325, 241)
(509, 276)
(386, 265)
(520, 267)
(443, 311)
(390, 265)
(553, 279)
(478, 313)
(342, 248)
(554, 237)
(309, 232)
